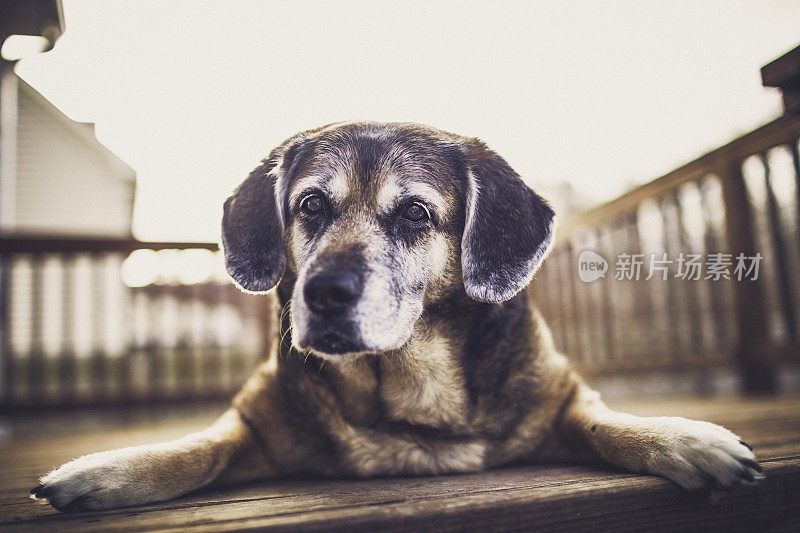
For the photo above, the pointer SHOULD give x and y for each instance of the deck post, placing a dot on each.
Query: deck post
(784, 73)
(756, 371)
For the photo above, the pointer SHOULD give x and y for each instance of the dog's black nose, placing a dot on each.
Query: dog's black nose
(331, 292)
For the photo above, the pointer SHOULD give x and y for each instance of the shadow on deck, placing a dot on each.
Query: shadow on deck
(519, 497)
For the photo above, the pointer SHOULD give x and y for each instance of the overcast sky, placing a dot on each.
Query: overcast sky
(193, 94)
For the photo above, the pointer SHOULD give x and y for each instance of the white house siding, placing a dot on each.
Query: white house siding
(65, 181)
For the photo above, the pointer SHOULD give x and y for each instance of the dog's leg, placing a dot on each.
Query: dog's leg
(150, 473)
(691, 453)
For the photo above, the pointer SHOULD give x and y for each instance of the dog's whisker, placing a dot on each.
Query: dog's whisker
(284, 312)
(285, 333)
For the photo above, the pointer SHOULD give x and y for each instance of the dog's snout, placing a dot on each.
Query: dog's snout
(333, 291)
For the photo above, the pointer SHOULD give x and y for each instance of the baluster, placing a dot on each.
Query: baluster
(226, 353)
(689, 287)
(642, 298)
(780, 257)
(208, 346)
(541, 290)
(67, 369)
(720, 305)
(214, 380)
(607, 308)
(560, 295)
(153, 345)
(183, 357)
(621, 291)
(577, 325)
(99, 364)
(128, 352)
(564, 283)
(238, 355)
(134, 351)
(703, 383)
(796, 164)
(589, 298)
(550, 304)
(265, 313)
(674, 313)
(199, 293)
(36, 361)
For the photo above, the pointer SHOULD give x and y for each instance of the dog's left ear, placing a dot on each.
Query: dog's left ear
(508, 231)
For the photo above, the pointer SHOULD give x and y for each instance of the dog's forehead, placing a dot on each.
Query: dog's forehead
(378, 164)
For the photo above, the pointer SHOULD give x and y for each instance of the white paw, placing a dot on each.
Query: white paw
(700, 455)
(105, 480)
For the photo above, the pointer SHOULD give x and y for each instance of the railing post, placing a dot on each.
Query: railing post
(756, 371)
(781, 258)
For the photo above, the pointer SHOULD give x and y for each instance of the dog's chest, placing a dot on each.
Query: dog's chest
(421, 385)
(424, 384)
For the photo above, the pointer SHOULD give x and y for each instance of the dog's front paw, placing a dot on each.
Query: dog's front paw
(699, 455)
(105, 480)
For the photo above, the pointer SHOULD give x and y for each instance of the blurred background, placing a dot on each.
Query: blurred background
(653, 127)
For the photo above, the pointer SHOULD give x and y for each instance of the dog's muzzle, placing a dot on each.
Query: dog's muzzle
(330, 295)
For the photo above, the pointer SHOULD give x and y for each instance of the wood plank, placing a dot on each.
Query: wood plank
(595, 503)
(545, 496)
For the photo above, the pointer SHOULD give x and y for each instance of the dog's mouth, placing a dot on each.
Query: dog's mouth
(331, 339)
(334, 343)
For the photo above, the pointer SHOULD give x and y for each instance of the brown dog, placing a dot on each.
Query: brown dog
(407, 343)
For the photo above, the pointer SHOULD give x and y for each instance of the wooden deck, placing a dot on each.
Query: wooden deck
(519, 497)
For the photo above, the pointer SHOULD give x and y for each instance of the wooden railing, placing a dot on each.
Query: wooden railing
(743, 199)
(74, 334)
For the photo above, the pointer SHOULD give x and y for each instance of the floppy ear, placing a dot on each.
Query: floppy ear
(252, 232)
(508, 231)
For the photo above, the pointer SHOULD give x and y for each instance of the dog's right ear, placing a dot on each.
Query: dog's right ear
(252, 232)
(254, 218)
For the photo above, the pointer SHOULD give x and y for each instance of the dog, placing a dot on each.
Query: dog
(407, 345)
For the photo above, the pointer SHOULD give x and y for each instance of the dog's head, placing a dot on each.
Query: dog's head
(376, 222)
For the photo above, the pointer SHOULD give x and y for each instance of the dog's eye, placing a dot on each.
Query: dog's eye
(312, 204)
(415, 212)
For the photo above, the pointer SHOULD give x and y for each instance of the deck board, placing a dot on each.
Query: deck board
(551, 497)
